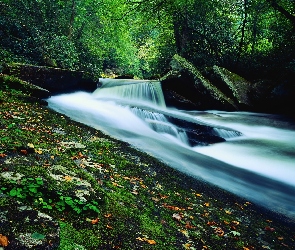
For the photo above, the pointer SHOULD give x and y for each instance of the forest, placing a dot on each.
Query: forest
(254, 38)
(199, 155)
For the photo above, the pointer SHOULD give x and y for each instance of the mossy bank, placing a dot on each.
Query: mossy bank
(67, 186)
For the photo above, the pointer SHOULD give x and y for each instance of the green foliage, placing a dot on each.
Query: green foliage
(139, 37)
(34, 189)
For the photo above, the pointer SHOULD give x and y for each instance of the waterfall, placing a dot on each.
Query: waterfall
(225, 133)
(147, 92)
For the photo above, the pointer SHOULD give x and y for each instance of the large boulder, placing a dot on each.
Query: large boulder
(232, 85)
(185, 84)
(26, 87)
(55, 80)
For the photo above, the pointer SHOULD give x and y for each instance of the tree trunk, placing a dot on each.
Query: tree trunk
(283, 11)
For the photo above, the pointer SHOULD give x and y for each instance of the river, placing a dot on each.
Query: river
(256, 161)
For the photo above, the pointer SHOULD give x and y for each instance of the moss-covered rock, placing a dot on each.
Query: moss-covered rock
(233, 85)
(188, 82)
(56, 80)
(13, 82)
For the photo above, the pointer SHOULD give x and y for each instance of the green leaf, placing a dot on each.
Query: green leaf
(13, 192)
(235, 233)
(33, 190)
(38, 236)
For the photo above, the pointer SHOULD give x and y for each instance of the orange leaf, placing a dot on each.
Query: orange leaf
(2, 155)
(109, 227)
(3, 241)
(271, 229)
(107, 215)
(219, 231)
(151, 242)
(207, 204)
(199, 195)
(95, 221)
(24, 152)
(211, 223)
(188, 225)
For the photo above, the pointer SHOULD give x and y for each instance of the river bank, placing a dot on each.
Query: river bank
(77, 188)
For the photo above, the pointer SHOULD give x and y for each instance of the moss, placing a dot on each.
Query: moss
(139, 200)
(200, 79)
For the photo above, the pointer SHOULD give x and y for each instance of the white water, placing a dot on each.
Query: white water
(259, 165)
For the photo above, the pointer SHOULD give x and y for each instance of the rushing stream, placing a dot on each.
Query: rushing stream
(257, 160)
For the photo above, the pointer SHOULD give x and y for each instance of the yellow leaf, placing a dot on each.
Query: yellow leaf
(140, 239)
(68, 178)
(38, 151)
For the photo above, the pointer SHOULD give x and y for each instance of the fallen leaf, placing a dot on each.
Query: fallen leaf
(2, 155)
(177, 217)
(109, 227)
(211, 223)
(228, 212)
(219, 231)
(107, 215)
(207, 204)
(199, 195)
(151, 242)
(95, 221)
(172, 207)
(24, 152)
(140, 239)
(38, 151)
(270, 229)
(155, 199)
(188, 225)
(68, 178)
(117, 185)
(187, 246)
(3, 241)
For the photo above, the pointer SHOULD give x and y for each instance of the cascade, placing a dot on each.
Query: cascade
(145, 99)
(145, 92)
(255, 159)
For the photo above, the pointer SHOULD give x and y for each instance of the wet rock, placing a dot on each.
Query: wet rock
(187, 81)
(55, 80)
(27, 228)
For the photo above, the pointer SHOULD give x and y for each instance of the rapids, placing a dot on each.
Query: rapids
(256, 161)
